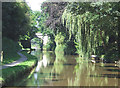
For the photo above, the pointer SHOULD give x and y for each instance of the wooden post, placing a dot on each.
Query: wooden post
(1, 56)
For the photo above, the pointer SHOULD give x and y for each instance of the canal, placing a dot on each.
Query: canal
(60, 70)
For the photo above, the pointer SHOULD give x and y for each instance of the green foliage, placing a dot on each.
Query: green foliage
(10, 74)
(15, 20)
(54, 28)
(59, 39)
(10, 49)
(9, 45)
(60, 45)
(60, 49)
(70, 48)
(64, 45)
(36, 42)
(19, 21)
(42, 17)
(111, 55)
(10, 58)
(42, 28)
(50, 46)
(94, 25)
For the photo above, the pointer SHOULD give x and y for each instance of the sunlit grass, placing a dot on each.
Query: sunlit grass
(13, 72)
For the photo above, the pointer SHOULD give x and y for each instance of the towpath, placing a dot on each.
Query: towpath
(23, 58)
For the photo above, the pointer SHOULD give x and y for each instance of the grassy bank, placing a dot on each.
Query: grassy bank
(10, 58)
(10, 49)
(13, 73)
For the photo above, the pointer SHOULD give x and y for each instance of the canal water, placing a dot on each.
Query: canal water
(60, 70)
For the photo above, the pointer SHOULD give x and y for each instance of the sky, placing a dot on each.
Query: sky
(35, 4)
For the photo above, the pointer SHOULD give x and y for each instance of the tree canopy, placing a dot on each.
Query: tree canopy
(95, 26)
(55, 11)
(18, 21)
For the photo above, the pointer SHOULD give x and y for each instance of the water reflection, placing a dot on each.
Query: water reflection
(58, 63)
(59, 70)
(83, 72)
(88, 74)
(45, 61)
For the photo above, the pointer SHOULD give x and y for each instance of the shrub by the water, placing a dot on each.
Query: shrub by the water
(50, 46)
(63, 46)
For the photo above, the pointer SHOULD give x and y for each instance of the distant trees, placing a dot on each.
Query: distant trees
(54, 23)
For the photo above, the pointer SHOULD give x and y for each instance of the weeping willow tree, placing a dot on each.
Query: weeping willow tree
(95, 27)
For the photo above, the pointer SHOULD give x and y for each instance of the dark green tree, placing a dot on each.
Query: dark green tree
(15, 20)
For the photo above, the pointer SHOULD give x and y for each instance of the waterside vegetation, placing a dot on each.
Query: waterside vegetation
(83, 28)
(9, 75)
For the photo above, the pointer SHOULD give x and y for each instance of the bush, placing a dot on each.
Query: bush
(59, 39)
(60, 49)
(68, 47)
(50, 46)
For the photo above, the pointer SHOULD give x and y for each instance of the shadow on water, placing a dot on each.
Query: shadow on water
(68, 64)
(107, 75)
(54, 74)
(110, 66)
(57, 79)
(51, 64)
(64, 64)
(113, 70)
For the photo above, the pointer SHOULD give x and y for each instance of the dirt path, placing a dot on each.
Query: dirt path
(23, 58)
